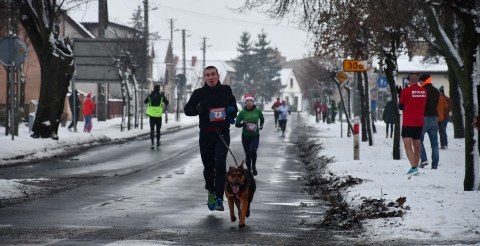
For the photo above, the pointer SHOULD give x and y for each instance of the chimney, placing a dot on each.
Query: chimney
(176, 60)
(194, 61)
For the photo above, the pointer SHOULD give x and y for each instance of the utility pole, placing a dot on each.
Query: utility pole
(171, 29)
(145, 70)
(101, 87)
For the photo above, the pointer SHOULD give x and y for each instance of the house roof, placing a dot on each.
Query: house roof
(284, 74)
(79, 27)
(416, 64)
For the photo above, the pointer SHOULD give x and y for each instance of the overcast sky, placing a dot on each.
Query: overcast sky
(205, 18)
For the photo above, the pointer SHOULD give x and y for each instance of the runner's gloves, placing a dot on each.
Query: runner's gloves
(202, 107)
(230, 110)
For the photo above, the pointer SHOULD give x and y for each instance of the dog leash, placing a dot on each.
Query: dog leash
(226, 145)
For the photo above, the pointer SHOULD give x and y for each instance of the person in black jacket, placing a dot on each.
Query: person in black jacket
(388, 117)
(216, 108)
(76, 111)
(430, 125)
(156, 102)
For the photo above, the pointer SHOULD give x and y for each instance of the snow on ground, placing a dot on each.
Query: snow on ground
(439, 208)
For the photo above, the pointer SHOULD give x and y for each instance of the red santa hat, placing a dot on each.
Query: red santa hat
(248, 96)
(89, 95)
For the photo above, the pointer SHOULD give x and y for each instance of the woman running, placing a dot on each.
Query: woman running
(248, 119)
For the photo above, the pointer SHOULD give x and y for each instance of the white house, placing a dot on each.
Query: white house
(291, 92)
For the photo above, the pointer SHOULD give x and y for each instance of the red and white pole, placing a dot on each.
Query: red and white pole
(356, 138)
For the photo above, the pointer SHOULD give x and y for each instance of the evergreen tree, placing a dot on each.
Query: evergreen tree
(267, 70)
(243, 66)
(137, 18)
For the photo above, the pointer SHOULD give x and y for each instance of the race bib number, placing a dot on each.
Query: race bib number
(252, 127)
(217, 114)
(284, 115)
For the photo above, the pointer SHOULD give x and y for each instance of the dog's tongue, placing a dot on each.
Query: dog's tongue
(235, 188)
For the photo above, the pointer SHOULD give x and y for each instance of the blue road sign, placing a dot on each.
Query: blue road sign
(382, 82)
(19, 51)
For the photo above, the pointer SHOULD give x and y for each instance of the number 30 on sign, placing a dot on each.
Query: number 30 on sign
(354, 65)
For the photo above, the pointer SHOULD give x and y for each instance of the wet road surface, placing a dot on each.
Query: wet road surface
(157, 197)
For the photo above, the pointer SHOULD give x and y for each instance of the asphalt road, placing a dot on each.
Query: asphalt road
(156, 197)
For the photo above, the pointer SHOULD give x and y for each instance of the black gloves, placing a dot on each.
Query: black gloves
(260, 127)
(202, 107)
(399, 90)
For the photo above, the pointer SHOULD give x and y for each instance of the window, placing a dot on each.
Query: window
(291, 83)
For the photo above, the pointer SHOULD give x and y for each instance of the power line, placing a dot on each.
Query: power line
(223, 18)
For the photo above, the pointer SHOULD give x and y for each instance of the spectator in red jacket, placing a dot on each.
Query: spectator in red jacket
(412, 102)
(88, 107)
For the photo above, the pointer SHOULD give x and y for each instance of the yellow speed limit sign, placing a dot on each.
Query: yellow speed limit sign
(354, 65)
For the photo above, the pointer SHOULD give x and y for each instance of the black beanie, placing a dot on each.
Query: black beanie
(423, 77)
(156, 88)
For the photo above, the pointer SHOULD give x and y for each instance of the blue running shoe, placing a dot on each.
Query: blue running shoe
(211, 201)
(412, 172)
(219, 205)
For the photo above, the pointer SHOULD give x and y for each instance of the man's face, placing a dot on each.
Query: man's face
(211, 77)
(413, 79)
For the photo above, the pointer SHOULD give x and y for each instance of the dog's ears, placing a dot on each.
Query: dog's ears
(241, 165)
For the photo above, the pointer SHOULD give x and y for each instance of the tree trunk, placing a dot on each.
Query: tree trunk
(366, 104)
(469, 92)
(363, 114)
(456, 98)
(390, 73)
(56, 72)
(454, 92)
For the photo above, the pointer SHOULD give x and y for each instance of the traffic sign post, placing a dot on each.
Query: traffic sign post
(13, 52)
(354, 65)
(356, 138)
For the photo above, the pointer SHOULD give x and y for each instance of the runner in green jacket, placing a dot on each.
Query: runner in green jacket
(249, 119)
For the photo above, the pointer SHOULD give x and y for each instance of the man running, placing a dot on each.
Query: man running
(275, 112)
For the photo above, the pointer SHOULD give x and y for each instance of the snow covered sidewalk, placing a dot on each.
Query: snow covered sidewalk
(439, 208)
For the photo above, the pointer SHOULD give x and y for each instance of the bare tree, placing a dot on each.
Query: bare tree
(461, 50)
(41, 20)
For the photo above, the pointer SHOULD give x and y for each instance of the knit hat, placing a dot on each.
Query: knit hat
(248, 96)
(441, 89)
(423, 77)
(156, 88)
(89, 95)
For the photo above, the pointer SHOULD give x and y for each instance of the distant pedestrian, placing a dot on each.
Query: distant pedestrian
(324, 112)
(373, 106)
(88, 107)
(442, 107)
(275, 112)
(73, 99)
(446, 118)
(334, 110)
(412, 102)
(156, 102)
(388, 117)
(318, 108)
(430, 125)
(283, 112)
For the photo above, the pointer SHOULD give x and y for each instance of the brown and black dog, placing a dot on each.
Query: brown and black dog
(239, 189)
